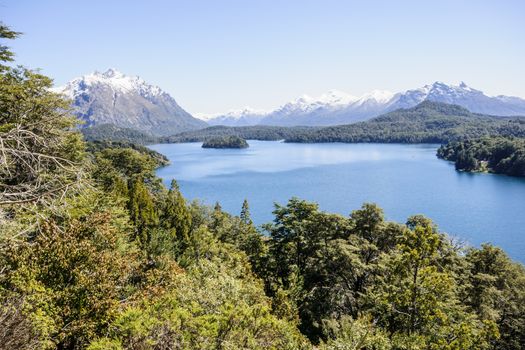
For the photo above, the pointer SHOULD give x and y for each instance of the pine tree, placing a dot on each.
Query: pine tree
(245, 213)
(142, 211)
(176, 214)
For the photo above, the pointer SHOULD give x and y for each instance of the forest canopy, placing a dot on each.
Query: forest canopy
(493, 154)
(225, 142)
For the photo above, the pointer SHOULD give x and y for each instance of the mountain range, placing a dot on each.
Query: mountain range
(129, 102)
(336, 107)
(113, 98)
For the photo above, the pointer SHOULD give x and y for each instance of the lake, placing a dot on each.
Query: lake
(402, 179)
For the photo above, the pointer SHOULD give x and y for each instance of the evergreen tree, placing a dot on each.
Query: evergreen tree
(176, 215)
(142, 211)
(41, 158)
(245, 213)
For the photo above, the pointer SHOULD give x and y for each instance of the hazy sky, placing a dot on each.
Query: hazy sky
(216, 55)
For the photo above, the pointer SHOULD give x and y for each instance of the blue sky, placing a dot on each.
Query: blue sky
(216, 55)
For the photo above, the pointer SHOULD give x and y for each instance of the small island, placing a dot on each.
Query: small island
(225, 142)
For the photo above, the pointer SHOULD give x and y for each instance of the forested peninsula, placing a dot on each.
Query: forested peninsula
(497, 155)
(97, 254)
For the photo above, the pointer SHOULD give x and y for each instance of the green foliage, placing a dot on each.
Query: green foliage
(6, 55)
(496, 291)
(176, 216)
(225, 142)
(113, 133)
(98, 146)
(142, 212)
(495, 154)
(41, 157)
(71, 274)
(257, 132)
(211, 309)
(350, 334)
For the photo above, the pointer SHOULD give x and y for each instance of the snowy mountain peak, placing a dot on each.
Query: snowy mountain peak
(233, 114)
(112, 97)
(111, 78)
(337, 97)
(111, 73)
(379, 96)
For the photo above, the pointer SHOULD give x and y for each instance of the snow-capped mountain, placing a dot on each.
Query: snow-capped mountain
(112, 97)
(236, 117)
(337, 107)
(474, 100)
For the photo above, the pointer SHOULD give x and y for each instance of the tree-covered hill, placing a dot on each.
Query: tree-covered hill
(428, 122)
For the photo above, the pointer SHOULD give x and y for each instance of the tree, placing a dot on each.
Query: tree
(245, 213)
(417, 300)
(71, 276)
(6, 55)
(142, 211)
(175, 214)
(496, 291)
(40, 157)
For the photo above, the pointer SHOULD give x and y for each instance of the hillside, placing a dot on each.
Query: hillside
(111, 132)
(428, 122)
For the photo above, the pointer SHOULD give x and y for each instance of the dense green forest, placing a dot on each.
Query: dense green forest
(225, 142)
(95, 253)
(493, 154)
(257, 132)
(104, 132)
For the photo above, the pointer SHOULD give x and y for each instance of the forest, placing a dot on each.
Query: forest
(95, 253)
(257, 132)
(492, 154)
(111, 132)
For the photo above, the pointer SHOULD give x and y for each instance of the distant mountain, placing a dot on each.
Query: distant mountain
(474, 100)
(336, 108)
(427, 122)
(127, 102)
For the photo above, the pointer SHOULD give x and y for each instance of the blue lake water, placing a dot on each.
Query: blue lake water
(402, 179)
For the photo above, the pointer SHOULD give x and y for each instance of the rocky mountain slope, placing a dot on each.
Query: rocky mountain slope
(125, 101)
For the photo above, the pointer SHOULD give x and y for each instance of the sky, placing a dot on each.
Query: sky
(215, 55)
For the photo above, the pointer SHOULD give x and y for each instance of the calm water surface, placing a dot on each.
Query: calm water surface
(402, 179)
